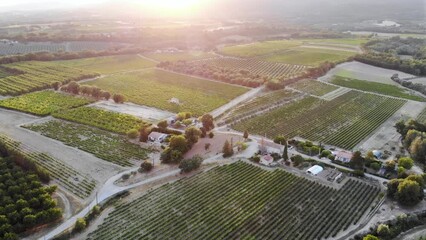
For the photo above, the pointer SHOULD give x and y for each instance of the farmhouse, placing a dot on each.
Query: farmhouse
(315, 170)
(343, 156)
(157, 137)
(266, 160)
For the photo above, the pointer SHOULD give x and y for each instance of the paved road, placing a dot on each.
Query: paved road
(245, 97)
(107, 191)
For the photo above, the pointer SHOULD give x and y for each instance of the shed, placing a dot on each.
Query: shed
(157, 137)
(315, 170)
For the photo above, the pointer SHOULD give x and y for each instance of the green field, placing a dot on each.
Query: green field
(4, 73)
(155, 88)
(110, 64)
(102, 119)
(260, 48)
(43, 103)
(309, 56)
(102, 144)
(239, 201)
(375, 87)
(185, 56)
(313, 87)
(339, 41)
(33, 76)
(344, 121)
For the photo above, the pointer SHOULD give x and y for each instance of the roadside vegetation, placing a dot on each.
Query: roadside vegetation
(179, 56)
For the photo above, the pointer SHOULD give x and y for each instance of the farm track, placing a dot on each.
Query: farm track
(82, 162)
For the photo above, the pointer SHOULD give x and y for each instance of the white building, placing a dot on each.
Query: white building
(315, 170)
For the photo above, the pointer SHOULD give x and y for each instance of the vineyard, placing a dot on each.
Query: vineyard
(107, 146)
(32, 47)
(263, 102)
(102, 119)
(240, 201)
(313, 87)
(273, 70)
(381, 88)
(155, 88)
(343, 121)
(32, 76)
(422, 116)
(109, 64)
(183, 56)
(63, 174)
(43, 103)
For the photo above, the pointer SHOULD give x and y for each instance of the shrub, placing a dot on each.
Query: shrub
(80, 224)
(146, 166)
(118, 98)
(125, 176)
(132, 134)
(375, 166)
(297, 160)
(188, 165)
(211, 135)
(406, 162)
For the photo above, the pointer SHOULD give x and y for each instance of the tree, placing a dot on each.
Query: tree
(383, 230)
(246, 135)
(227, 149)
(393, 187)
(73, 87)
(285, 152)
(178, 142)
(297, 160)
(106, 95)
(143, 135)
(80, 224)
(96, 92)
(118, 98)
(132, 134)
(207, 121)
(146, 166)
(192, 134)
(163, 124)
(188, 165)
(280, 139)
(406, 162)
(409, 193)
(357, 161)
(375, 166)
(56, 85)
(86, 90)
(390, 165)
(370, 237)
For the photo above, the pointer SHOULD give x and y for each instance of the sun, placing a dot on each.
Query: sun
(173, 5)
